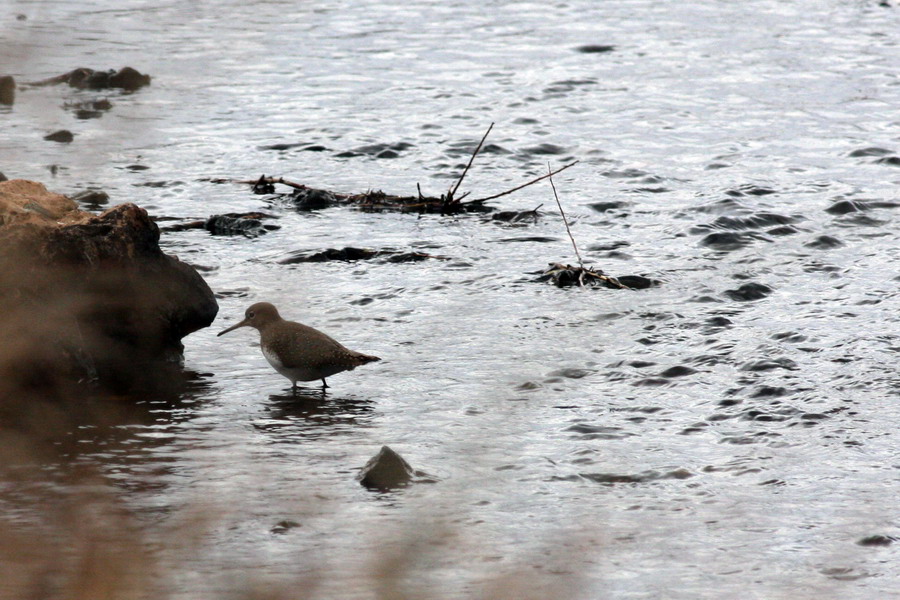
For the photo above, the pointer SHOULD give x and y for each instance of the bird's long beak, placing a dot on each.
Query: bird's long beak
(243, 323)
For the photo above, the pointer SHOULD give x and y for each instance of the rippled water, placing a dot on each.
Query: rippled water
(730, 432)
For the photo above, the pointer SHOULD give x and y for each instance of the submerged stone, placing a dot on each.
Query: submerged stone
(7, 90)
(63, 136)
(386, 471)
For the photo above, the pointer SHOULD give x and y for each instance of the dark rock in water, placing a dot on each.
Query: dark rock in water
(748, 292)
(350, 253)
(345, 254)
(312, 199)
(7, 90)
(595, 48)
(127, 78)
(92, 199)
(89, 297)
(386, 471)
(878, 540)
(637, 282)
(3, 177)
(63, 136)
(405, 257)
(246, 224)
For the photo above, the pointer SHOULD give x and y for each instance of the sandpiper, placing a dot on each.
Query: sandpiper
(298, 351)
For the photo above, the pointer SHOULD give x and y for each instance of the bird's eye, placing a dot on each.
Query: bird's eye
(250, 314)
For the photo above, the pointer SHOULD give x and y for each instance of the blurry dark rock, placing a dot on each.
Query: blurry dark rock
(595, 48)
(3, 177)
(386, 471)
(7, 89)
(88, 297)
(91, 199)
(749, 291)
(127, 78)
(350, 253)
(878, 540)
(344, 254)
(637, 282)
(312, 199)
(405, 257)
(246, 224)
(63, 136)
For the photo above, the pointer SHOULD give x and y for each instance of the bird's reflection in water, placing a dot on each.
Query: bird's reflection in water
(312, 413)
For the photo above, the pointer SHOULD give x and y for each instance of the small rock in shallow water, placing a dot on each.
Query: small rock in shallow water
(386, 471)
(63, 136)
(595, 48)
(246, 224)
(877, 540)
(748, 292)
(7, 90)
(92, 199)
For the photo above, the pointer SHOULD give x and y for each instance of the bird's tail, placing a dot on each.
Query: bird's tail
(366, 358)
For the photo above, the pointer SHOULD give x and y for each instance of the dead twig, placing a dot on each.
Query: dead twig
(452, 193)
(566, 221)
(524, 185)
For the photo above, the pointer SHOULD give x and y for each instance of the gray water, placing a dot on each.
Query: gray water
(697, 439)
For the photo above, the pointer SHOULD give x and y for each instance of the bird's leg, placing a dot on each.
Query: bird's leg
(293, 388)
(324, 385)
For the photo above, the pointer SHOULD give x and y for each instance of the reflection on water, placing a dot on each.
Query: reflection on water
(312, 414)
(730, 430)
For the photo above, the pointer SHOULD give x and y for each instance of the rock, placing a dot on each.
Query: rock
(127, 78)
(386, 471)
(89, 297)
(246, 224)
(7, 90)
(91, 198)
(63, 136)
(312, 199)
(3, 177)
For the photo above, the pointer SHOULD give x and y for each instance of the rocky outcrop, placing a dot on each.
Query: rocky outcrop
(89, 297)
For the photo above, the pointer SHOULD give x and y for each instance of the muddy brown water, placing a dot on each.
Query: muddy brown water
(731, 432)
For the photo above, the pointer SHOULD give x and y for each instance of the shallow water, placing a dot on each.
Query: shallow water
(728, 432)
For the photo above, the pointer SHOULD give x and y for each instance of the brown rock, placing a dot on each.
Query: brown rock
(63, 136)
(87, 296)
(7, 90)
